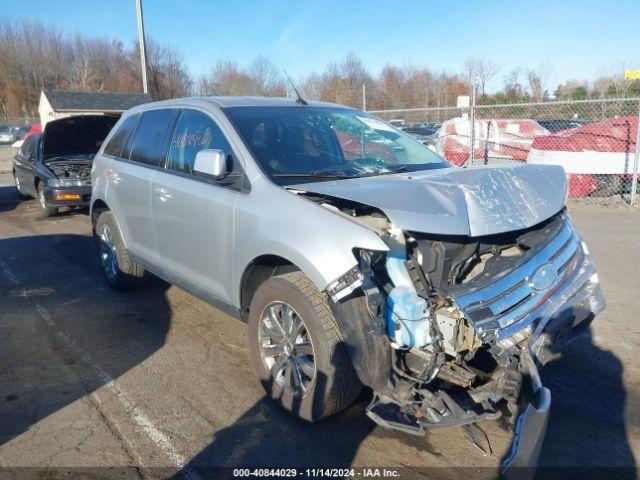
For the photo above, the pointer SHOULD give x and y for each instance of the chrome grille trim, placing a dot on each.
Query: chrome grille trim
(511, 299)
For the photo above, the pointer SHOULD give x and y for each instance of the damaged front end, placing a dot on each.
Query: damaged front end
(448, 330)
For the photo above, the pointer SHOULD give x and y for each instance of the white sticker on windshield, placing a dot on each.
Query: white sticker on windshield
(376, 124)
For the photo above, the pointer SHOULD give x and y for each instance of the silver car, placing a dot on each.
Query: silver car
(356, 255)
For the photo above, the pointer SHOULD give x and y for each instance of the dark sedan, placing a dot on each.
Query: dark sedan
(55, 166)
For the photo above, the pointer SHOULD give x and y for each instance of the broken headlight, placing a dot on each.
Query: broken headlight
(344, 285)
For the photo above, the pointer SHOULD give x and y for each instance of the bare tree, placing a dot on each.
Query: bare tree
(36, 56)
(538, 81)
(480, 71)
(267, 78)
(312, 86)
(228, 78)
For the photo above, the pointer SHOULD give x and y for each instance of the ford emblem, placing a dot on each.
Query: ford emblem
(544, 277)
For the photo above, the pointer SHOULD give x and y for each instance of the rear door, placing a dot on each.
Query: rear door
(128, 191)
(193, 214)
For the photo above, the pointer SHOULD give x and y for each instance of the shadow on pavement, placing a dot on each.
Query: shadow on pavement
(587, 434)
(266, 436)
(54, 289)
(8, 198)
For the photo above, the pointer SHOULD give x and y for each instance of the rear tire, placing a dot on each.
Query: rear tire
(46, 210)
(310, 354)
(119, 270)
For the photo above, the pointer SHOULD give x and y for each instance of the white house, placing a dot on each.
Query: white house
(59, 104)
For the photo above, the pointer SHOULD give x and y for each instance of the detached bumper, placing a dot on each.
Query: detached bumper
(565, 315)
(530, 430)
(68, 196)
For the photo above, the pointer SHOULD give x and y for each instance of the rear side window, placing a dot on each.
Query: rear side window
(148, 140)
(194, 131)
(117, 141)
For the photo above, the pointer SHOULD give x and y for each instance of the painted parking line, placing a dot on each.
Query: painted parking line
(161, 440)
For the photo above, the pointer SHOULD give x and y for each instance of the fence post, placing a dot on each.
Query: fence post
(364, 97)
(472, 124)
(634, 180)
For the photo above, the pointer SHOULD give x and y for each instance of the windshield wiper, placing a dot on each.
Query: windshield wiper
(402, 169)
(318, 174)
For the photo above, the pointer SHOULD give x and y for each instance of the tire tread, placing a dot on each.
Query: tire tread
(346, 385)
(131, 274)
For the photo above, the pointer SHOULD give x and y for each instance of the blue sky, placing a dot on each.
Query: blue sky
(579, 39)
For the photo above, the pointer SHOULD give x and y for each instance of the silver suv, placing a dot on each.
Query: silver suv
(356, 255)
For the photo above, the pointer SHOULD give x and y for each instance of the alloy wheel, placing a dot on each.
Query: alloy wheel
(43, 201)
(286, 348)
(108, 258)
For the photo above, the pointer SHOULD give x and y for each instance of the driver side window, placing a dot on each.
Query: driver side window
(194, 131)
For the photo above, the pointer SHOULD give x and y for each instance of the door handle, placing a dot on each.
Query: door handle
(162, 194)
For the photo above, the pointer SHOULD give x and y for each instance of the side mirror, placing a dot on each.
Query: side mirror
(211, 162)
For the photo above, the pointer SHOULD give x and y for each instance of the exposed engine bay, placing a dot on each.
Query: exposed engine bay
(71, 169)
(455, 316)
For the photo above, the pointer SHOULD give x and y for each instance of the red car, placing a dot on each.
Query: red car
(495, 139)
(598, 157)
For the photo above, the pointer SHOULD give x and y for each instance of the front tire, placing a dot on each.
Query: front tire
(297, 348)
(119, 270)
(21, 195)
(46, 210)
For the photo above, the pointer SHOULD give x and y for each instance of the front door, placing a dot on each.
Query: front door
(193, 215)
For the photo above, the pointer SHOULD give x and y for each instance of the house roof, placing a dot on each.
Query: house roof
(94, 101)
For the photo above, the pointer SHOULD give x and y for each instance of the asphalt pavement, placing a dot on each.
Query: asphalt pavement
(156, 381)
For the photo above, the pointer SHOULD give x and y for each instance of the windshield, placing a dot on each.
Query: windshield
(293, 143)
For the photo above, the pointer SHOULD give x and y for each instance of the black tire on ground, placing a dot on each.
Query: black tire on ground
(21, 195)
(335, 384)
(46, 210)
(119, 270)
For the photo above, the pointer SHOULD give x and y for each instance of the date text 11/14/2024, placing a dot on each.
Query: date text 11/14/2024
(362, 472)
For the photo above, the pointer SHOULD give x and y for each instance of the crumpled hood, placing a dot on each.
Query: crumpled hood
(472, 201)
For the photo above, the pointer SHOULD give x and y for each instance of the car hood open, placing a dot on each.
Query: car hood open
(77, 135)
(472, 201)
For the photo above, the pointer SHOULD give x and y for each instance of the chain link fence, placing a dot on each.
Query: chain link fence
(595, 141)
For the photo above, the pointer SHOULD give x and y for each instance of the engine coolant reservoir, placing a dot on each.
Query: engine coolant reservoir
(407, 318)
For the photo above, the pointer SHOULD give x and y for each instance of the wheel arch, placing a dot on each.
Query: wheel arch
(97, 207)
(257, 272)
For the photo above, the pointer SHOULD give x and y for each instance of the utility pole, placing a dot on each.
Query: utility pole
(143, 48)
(364, 97)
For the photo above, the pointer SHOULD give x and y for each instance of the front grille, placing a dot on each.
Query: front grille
(514, 298)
